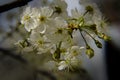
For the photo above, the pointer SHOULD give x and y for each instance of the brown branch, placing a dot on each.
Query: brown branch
(12, 5)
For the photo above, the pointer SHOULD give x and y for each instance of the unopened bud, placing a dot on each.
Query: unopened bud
(98, 44)
(89, 51)
(103, 36)
(89, 9)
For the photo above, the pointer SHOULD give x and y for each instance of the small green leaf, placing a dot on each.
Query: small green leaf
(56, 54)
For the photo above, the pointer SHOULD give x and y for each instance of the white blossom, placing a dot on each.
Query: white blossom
(58, 32)
(53, 32)
(76, 13)
(62, 65)
(60, 8)
(27, 18)
(40, 42)
(69, 64)
(71, 58)
(42, 17)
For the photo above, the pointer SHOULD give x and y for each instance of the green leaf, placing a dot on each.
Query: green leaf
(56, 54)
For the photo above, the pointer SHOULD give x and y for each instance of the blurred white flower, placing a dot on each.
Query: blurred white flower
(42, 17)
(71, 58)
(27, 18)
(58, 32)
(53, 32)
(40, 42)
(69, 64)
(76, 13)
(62, 65)
(60, 8)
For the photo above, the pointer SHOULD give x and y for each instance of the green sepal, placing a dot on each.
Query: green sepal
(91, 27)
(56, 54)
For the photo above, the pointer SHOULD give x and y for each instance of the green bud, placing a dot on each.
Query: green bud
(93, 26)
(101, 35)
(89, 9)
(107, 38)
(104, 36)
(89, 51)
(98, 44)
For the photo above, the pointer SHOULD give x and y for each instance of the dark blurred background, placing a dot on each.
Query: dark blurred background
(111, 9)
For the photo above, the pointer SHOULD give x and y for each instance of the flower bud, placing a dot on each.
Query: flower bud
(89, 51)
(93, 26)
(103, 36)
(98, 44)
(89, 9)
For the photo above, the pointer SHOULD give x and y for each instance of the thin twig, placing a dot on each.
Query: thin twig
(83, 36)
(12, 5)
(89, 35)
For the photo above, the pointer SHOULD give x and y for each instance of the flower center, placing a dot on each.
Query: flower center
(59, 31)
(26, 18)
(42, 18)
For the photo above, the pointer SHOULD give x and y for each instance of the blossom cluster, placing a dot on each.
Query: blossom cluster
(51, 31)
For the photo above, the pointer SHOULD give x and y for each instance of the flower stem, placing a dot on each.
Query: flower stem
(89, 35)
(83, 36)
